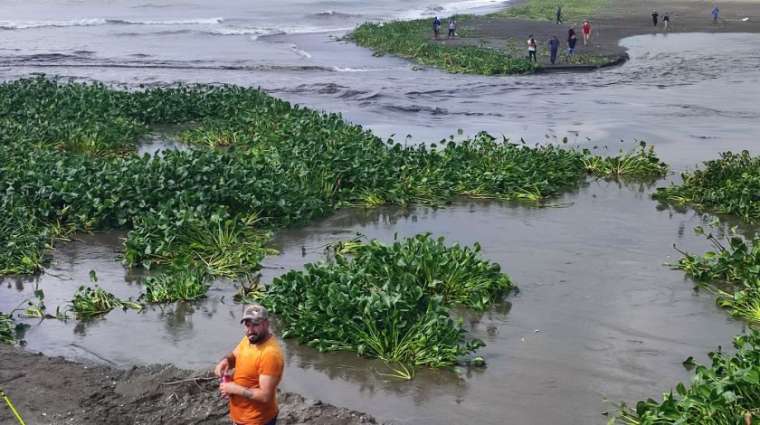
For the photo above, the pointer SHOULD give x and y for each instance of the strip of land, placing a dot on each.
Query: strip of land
(508, 31)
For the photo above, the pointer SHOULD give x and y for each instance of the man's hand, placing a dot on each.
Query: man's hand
(231, 388)
(221, 368)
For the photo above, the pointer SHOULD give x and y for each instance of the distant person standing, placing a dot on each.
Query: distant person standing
(666, 22)
(559, 14)
(436, 27)
(586, 28)
(571, 40)
(452, 27)
(532, 49)
(715, 14)
(655, 15)
(553, 49)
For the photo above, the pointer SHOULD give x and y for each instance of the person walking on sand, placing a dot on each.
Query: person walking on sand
(452, 27)
(666, 22)
(655, 15)
(571, 40)
(436, 27)
(715, 14)
(586, 31)
(532, 49)
(553, 49)
(257, 362)
(559, 15)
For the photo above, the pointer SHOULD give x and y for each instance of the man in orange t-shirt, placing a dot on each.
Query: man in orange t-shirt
(257, 362)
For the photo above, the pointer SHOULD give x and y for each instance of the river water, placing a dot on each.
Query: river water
(598, 316)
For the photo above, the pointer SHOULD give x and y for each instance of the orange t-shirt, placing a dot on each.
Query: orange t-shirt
(253, 360)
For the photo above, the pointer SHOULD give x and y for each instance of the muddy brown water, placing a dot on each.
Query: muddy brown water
(598, 316)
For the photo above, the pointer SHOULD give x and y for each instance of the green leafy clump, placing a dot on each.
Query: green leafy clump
(92, 302)
(729, 185)
(187, 284)
(412, 39)
(572, 10)
(724, 393)
(222, 245)
(8, 327)
(638, 164)
(732, 272)
(388, 301)
(214, 206)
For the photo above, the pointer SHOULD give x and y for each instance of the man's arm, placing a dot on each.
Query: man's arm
(264, 394)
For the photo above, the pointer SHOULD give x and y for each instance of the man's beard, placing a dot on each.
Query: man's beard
(256, 338)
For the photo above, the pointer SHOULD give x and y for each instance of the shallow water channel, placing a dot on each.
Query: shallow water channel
(598, 316)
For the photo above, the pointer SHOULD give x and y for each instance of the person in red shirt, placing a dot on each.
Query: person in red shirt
(586, 29)
(258, 363)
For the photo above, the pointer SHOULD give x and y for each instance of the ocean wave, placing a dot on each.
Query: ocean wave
(451, 8)
(332, 14)
(197, 21)
(19, 25)
(88, 22)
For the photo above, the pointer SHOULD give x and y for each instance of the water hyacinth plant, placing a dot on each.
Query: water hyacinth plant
(728, 185)
(388, 301)
(727, 392)
(732, 272)
(187, 284)
(639, 164)
(214, 207)
(7, 329)
(91, 302)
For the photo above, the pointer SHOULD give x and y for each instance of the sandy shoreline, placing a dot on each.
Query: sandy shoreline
(620, 19)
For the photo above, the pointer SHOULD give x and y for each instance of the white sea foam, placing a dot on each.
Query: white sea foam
(447, 9)
(14, 25)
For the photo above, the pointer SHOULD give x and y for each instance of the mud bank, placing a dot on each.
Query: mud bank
(51, 390)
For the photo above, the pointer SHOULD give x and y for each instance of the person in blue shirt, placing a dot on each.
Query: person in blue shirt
(436, 27)
(553, 49)
(715, 14)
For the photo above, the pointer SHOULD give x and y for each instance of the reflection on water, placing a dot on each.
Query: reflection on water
(597, 314)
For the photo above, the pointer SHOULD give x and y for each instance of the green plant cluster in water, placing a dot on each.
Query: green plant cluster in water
(185, 284)
(724, 393)
(572, 10)
(8, 328)
(214, 208)
(413, 40)
(639, 164)
(388, 301)
(732, 272)
(91, 302)
(729, 185)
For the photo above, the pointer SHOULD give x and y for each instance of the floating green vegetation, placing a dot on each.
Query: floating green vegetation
(572, 10)
(724, 393)
(412, 40)
(91, 302)
(639, 164)
(732, 272)
(8, 329)
(215, 206)
(187, 284)
(729, 185)
(388, 301)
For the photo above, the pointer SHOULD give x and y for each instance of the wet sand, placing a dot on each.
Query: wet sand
(620, 19)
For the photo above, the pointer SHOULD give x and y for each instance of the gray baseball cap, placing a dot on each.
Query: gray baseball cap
(256, 313)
